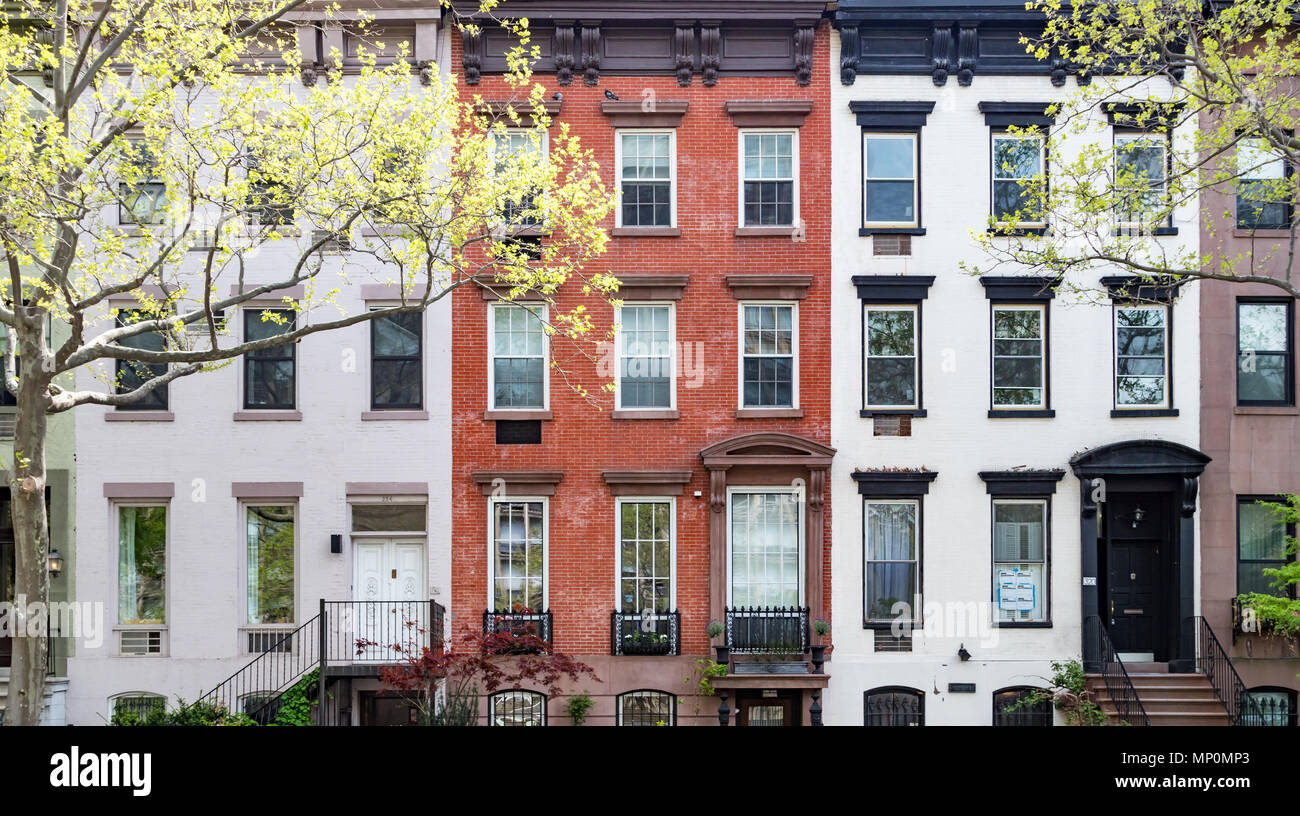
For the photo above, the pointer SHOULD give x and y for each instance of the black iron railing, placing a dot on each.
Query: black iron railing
(256, 688)
(1105, 661)
(638, 633)
(1274, 710)
(767, 630)
(380, 631)
(507, 622)
(1213, 662)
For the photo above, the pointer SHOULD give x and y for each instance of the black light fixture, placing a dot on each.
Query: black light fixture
(336, 543)
(55, 563)
(962, 653)
(1137, 516)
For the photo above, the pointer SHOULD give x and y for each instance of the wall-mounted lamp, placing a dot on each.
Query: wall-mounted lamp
(336, 543)
(55, 563)
(962, 653)
(1137, 516)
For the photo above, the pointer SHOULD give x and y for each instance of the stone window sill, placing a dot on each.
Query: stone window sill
(394, 416)
(1266, 410)
(494, 415)
(769, 413)
(664, 413)
(645, 232)
(268, 416)
(139, 416)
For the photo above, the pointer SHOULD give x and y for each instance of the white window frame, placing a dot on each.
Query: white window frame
(543, 317)
(1121, 136)
(544, 145)
(115, 516)
(1138, 406)
(916, 601)
(672, 174)
(619, 501)
(915, 138)
(740, 355)
(246, 568)
(801, 558)
(1043, 603)
(672, 355)
(493, 501)
(995, 169)
(915, 309)
(1042, 355)
(793, 133)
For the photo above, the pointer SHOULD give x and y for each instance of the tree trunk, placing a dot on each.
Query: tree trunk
(31, 538)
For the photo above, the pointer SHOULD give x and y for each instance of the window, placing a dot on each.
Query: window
(892, 560)
(1012, 707)
(1265, 365)
(894, 705)
(1261, 544)
(132, 375)
(389, 518)
(1264, 189)
(645, 345)
(142, 565)
(1017, 164)
(1141, 165)
(1141, 356)
(396, 364)
(891, 370)
(768, 355)
(647, 708)
(269, 569)
(769, 175)
(517, 708)
(135, 705)
(270, 374)
(261, 706)
(1020, 560)
(142, 196)
(890, 191)
(1274, 705)
(518, 342)
(1019, 369)
(645, 556)
(766, 548)
(647, 167)
(267, 202)
(517, 562)
(525, 149)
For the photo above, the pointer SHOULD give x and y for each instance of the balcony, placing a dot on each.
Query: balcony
(767, 630)
(520, 624)
(636, 633)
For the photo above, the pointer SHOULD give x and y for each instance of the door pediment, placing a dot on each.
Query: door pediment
(1140, 457)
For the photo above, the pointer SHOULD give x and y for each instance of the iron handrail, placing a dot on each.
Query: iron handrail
(1213, 661)
(1118, 684)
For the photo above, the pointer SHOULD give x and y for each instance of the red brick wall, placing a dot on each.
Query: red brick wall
(582, 440)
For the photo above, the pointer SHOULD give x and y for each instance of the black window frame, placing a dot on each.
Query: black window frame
(284, 352)
(893, 291)
(618, 706)
(886, 487)
(1290, 530)
(1292, 699)
(492, 698)
(1288, 207)
(1289, 354)
(417, 358)
(1040, 710)
(1166, 225)
(917, 694)
(886, 117)
(157, 400)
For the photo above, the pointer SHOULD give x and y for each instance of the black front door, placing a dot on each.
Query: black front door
(756, 708)
(1139, 546)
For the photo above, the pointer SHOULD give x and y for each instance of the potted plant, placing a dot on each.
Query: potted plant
(822, 628)
(715, 629)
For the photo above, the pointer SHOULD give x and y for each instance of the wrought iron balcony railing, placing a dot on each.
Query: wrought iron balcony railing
(519, 624)
(637, 633)
(767, 630)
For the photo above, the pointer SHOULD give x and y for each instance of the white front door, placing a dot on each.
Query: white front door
(392, 613)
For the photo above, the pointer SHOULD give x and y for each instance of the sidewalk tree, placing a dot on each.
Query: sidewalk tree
(152, 150)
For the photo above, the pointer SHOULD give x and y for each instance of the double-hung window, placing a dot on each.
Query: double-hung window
(646, 164)
(142, 564)
(526, 150)
(396, 362)
(891, 560)
(131, 375)
(1019, 357)
(646, 346)
(765, 553)
(769, 355)
(518, 342)
(891, 196)
(1141, 179)
(891, 375)
(1265, 189)
(645, 556)
(142, 195)
(769, 195)
(269, 564)
(1265, 352)
(1141, 357)
(1261, 544)
(268, 201)
(1020, 560)
(270, 373)
(1017, 169)
(517, 557)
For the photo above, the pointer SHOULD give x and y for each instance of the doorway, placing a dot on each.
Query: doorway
(1138, 570)
(381, 708)
(767, 708)
(389, 589)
